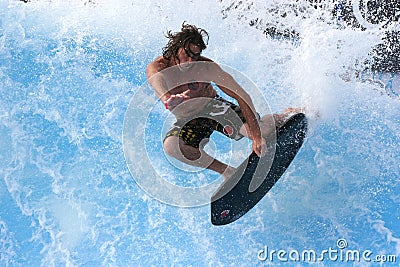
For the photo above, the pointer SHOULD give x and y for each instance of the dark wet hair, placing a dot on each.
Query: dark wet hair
(188, 34)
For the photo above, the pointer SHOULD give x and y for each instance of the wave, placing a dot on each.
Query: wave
(68, 72)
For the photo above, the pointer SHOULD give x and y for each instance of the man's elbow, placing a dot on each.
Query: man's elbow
(149, 71)
(242, 95)
(244, 98)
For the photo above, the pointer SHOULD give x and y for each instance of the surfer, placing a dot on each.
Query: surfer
(187, 91)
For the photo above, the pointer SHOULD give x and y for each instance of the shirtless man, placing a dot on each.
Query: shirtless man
(182, 78)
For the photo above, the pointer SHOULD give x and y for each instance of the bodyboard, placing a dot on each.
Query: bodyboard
(235, 197)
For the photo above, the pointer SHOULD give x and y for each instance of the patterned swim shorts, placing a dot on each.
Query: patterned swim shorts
(218, 115)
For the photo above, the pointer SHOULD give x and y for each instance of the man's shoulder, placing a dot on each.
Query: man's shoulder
(159, 63)
(210, 65)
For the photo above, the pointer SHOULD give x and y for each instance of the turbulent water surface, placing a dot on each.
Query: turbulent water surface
(68, 73)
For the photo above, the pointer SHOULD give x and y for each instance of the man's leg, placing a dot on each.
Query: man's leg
(176, 148)
(190, 155)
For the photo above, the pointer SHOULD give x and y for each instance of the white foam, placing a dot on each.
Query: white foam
(74, 185)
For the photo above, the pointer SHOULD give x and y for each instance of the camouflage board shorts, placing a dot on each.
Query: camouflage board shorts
(218, 115)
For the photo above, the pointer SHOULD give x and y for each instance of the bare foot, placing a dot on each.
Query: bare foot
(293, 110)
(280, 119)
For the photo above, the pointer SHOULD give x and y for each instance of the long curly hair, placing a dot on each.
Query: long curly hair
(188, 34)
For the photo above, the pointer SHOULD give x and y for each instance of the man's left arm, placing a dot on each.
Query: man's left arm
(229, 86)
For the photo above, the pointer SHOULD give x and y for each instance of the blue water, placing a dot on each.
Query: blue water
(68, 73)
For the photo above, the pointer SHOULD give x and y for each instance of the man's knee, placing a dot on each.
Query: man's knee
(176, 148)
(171, 146)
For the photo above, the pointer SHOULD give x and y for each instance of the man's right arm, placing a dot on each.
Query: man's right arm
(156, 79)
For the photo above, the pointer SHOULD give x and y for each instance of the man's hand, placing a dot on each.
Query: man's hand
(175, 100)
(259, 146)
